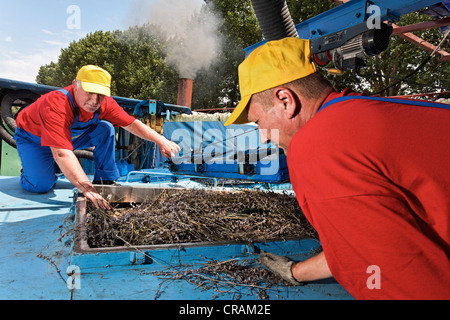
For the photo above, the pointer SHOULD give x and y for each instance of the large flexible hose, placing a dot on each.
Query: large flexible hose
(25, 96)
(84, 154)
(5, 135)
(7, 118)
(274, 19)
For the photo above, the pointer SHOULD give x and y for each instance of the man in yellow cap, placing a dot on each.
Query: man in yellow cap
(80, 116)
(368, 172)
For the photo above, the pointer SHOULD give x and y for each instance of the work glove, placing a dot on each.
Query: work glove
(279, 265)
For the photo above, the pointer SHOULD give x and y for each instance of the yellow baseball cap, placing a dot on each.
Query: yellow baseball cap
(273, 64)
(95, 80)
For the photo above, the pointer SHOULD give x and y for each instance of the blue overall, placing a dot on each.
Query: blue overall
(391, 100)
(38, 164)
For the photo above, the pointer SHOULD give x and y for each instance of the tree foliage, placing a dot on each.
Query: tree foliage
(137, 62)
(402, 58)
(133, 58)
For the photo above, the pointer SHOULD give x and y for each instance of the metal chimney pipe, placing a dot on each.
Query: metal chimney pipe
(185, 92)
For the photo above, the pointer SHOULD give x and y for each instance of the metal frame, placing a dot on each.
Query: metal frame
(406, 31)
(352, 13)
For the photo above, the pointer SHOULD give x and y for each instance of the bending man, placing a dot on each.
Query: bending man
(371, 175)
(80, 116)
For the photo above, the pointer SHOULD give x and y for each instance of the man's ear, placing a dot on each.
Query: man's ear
(285, 98)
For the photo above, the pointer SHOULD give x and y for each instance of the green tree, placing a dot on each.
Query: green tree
(402, 58)
(133, 58)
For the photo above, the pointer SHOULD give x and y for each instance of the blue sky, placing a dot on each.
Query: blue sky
(33, 32)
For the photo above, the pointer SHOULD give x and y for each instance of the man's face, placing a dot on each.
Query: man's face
(269, 124)
(89, 102)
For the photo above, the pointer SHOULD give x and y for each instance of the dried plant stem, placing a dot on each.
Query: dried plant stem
(201, 216)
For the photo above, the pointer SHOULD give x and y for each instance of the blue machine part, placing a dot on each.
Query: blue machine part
(438, 11)
(211, 150)
(154, 107)
(267, 171)
(335, 27)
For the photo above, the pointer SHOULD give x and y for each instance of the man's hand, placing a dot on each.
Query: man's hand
(96, 198)
(279, 265)
(71, 168)
(312, 269)
(168, 148)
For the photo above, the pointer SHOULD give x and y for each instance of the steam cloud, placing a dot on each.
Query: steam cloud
(188, 31)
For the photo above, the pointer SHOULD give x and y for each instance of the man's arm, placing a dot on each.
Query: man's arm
(168, 148)
(72, 170)
(314, 268)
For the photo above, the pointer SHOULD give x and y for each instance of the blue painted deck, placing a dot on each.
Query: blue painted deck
(37, 239)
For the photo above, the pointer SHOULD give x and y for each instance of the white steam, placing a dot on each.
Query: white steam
(188, 31)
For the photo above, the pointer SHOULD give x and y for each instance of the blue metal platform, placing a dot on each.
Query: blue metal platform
(37, 248)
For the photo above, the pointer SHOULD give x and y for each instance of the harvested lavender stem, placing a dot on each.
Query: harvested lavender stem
(200, 215)
(236, 277)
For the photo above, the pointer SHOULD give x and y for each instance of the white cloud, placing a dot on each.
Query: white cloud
(56, 43)
(8, 39)
(47, 31)
(24, 67)
(73, 35)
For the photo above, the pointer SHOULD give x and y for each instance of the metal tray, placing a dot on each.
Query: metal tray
(87, 257)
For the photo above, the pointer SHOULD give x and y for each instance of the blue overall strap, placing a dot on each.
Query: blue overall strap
(401, 101)
(76, 111)
(69, 96)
